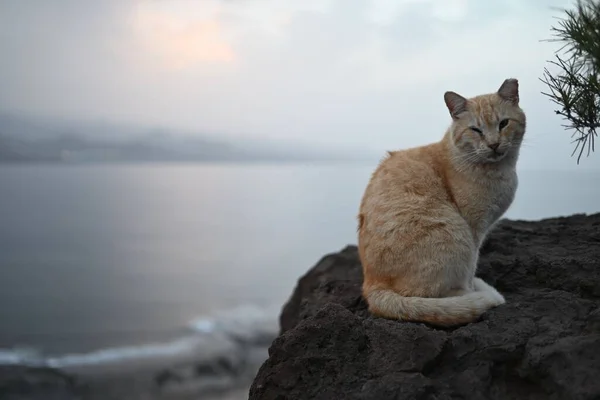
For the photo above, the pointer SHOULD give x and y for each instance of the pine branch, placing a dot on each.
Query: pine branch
(576, 88)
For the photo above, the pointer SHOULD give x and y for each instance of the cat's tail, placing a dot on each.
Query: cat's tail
(444, 311)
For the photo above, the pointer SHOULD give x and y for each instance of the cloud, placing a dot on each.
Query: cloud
(174, 39)
(365, 72)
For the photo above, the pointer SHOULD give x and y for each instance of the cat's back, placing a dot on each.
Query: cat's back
(409, 178)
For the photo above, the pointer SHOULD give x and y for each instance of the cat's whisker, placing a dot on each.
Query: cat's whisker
(462, 162)
(527, 143)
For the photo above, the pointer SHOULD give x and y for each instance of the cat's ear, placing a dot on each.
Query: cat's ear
(456, 104)
(509, 91)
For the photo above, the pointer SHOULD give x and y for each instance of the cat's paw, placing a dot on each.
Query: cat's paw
(481, 286)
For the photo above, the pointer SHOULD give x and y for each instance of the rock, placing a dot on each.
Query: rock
(24, 383)
(544, 343)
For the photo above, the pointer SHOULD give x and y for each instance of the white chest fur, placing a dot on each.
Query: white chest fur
(501, 195)
(484, 200)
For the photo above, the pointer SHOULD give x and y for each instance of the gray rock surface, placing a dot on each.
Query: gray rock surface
(543, 344)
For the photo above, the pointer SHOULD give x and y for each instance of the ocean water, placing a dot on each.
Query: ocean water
(101, 262)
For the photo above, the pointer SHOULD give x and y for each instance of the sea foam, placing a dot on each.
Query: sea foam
(206, 336)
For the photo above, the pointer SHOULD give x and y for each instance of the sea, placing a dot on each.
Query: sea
(100, 263)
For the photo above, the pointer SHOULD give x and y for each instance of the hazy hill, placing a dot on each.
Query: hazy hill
(26, 139)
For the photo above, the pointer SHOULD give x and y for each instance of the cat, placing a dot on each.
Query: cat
(426, 211)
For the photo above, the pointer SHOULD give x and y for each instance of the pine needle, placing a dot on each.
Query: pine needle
(576, 88)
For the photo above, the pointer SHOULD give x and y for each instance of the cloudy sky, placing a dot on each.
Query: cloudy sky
(369, 74)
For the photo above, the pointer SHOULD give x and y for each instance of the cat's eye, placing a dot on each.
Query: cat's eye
(476, 129)
(502, 124)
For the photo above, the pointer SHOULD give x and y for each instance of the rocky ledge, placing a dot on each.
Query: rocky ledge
(544, 343)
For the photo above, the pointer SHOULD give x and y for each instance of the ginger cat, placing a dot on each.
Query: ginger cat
(427, 210)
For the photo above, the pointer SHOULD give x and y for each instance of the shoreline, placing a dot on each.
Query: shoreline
(218, 357)
(226, 374)
(222, 371)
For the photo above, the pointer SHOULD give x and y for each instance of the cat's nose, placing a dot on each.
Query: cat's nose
(493, 146)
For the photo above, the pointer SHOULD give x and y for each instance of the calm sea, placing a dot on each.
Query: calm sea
(101, 256)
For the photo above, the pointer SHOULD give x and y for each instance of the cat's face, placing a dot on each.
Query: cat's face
(488, 127)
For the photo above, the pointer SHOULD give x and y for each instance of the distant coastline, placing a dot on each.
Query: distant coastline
(30, 140)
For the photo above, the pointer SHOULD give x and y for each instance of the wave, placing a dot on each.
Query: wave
(247, 323)
(206, 337)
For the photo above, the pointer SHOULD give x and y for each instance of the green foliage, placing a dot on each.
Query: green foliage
(576, 87)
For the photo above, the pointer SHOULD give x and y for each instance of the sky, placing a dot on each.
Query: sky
(364, 74)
